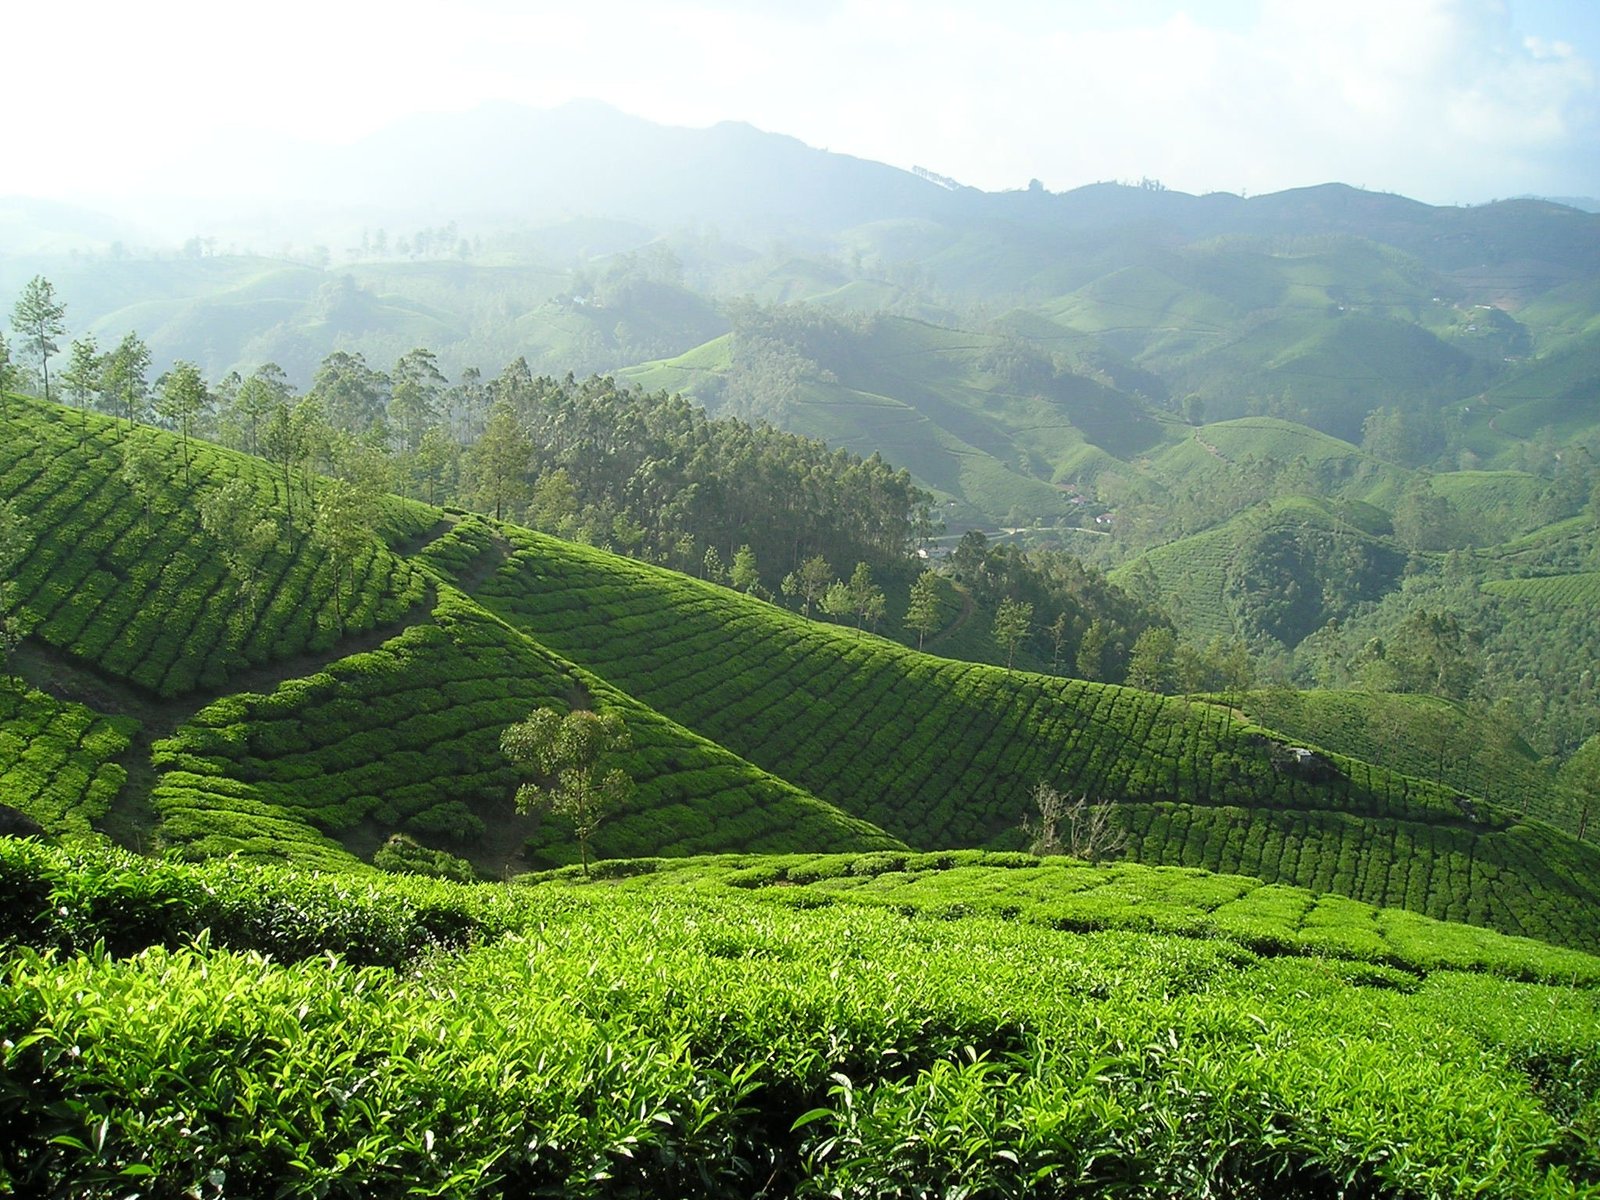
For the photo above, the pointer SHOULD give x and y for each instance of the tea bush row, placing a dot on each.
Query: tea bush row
(943, 753)
(1061, 893)
(57, 759)
(407, 736)
(145, 595)
(671, 1043)
(936, 752)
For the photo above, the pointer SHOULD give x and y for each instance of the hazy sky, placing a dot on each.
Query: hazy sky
(1444, 100)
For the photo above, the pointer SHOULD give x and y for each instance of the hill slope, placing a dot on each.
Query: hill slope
(753, 728)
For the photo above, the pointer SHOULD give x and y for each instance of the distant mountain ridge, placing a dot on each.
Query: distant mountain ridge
(502, 161)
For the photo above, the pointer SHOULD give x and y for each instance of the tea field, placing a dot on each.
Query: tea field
(58, 759)
(171, 1029)
(940, 753)
(407, 736)
(138, 589)
(753, 729)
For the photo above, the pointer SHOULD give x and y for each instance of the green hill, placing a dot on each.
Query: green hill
(942, 753)
(977, 418)
(265, 729)
(1422, 736)
(1280, 571)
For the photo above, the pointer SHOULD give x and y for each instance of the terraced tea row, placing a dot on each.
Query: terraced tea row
(1422, 736)
(57, 759)
(408, 735)
(1580, 590)
(938, 752)
(1524, 878)
(1061, 893)
(672, 1037)
(137, 587)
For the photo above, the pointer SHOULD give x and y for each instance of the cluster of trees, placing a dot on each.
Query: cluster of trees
(649, 475)
(1065, 615)
(1287, 578)
(774, 351)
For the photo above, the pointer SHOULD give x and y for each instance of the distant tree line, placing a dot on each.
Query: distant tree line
(1063, 615)
(645, 474)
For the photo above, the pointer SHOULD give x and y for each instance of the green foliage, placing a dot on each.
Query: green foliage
(402, 855)
(39, 318)
(1474, 749)
(570, 755)
(58, 760)
(124, 575)
(407, 735)
(880, 1032)
(1012, 621)
(1068, 597)
(941, 753)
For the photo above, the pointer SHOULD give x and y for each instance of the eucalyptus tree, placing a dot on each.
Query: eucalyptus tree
(181, 399)
(1012, 621)
(744, 574)
(266, 387)
(417, 385)
(345, 512)
(124, 383)
(143, 471)
(922, 614)
(39, 318)
(498, 462)
(811, 582)
(84, 375)
(353, 396)
(232, 515)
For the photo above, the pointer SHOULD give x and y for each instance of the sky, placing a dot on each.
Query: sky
(1446, 101)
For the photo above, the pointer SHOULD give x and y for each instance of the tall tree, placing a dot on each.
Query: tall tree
(416, 387)
(571, 755)
(84, 374)
(181, 400)
(922, 614)
(811, 582)
(39, 318)
(499, 461)
(353, 396)
(285, 443)
(745, 574)
(344, 518)
(867, 600)
(1012, 621)
(266, 388)
(232, 516)
(124, 383)
(143, 472)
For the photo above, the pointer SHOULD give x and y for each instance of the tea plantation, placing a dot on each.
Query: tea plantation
(849, 1026)
(137, 588)
(942, 753)
(225, 719)
(58, 759)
